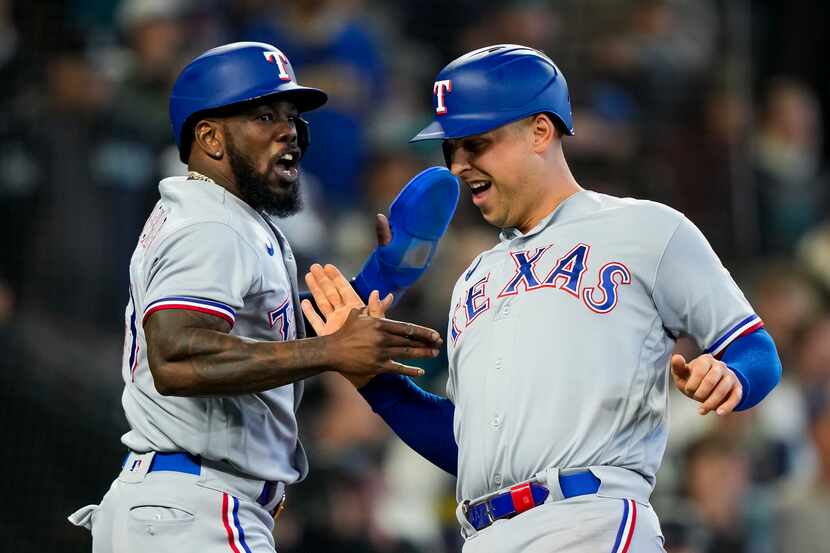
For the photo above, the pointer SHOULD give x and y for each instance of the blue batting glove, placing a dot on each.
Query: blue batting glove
(418, 217)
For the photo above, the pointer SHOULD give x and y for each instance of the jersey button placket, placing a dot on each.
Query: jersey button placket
(498, 380)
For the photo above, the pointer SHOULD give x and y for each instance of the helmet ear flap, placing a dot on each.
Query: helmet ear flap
(303, 134)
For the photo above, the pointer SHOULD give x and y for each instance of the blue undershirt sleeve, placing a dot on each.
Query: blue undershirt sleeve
(424, 421)
(755, 362)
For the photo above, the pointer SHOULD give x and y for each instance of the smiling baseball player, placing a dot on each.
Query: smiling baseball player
(560, 337)
(215, 353)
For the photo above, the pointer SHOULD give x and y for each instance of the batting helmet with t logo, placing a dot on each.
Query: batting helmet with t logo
(234, 74)
(490, 87)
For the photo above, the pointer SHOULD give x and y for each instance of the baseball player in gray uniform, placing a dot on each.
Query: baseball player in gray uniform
(560, 337)
(214, 356)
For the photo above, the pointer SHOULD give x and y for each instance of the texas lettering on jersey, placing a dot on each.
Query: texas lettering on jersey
(566, 275)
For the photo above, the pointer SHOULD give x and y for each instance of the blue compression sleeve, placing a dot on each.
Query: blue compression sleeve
(422, 420)
(755, 361)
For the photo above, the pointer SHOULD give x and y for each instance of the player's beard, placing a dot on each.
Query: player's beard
(256, 190)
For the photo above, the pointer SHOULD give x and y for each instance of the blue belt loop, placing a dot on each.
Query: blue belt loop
(177, 462)
(267, 494)
(580, 483)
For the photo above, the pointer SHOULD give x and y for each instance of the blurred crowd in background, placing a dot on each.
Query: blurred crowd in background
(715, 107)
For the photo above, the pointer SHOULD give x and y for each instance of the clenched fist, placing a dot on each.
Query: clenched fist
(708, 381)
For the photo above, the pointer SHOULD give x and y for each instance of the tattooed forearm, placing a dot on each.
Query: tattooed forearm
(190, 354)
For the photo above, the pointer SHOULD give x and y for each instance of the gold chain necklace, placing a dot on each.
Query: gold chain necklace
(195, 175)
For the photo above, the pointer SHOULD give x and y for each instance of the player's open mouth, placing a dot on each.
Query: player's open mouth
(287, 166)
(479, 190)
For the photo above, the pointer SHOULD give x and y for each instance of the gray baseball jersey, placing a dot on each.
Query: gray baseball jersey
(559, 339)
(204, 249)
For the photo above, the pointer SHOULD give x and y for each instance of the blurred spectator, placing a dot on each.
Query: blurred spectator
(814, 254)
(345, 422)
(802, 521)
(68, 266)
(93, 195)
(813, 357)
(718, 485)
(416, 490)
(21, 179)
(346, 521)
(155, 37)
(790, 306)
(682, 531)
(658, 55)
(386, 173)
(529, 22)
(331, 47)
(11, 63)
(700, 163)
(437, 24)
(787, 301)
(788, 165)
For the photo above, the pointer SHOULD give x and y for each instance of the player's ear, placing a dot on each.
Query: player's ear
(209, 136)
(543, 132)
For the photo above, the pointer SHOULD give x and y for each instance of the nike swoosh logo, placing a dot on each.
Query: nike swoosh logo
(269, 248)
(471, 271)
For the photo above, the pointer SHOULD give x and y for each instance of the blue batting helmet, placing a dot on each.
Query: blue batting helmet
(233, 74)
(492, 86)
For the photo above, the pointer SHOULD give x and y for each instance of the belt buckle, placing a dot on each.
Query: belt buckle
(522, 497)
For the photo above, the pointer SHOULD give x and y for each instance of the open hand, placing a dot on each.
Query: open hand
(709, 381)
(335, 298)
(366, 348)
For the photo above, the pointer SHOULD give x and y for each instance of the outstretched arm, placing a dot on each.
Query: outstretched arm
(192, 354)
(422, 420)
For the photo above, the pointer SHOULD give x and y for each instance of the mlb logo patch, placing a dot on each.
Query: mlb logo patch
(136, 466)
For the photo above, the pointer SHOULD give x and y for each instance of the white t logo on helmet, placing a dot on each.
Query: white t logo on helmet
(281, 61)
(440, 88)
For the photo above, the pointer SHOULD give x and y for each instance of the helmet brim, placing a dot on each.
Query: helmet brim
(304, 97)
(474, 125)
(433, 131)
(482, 123)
